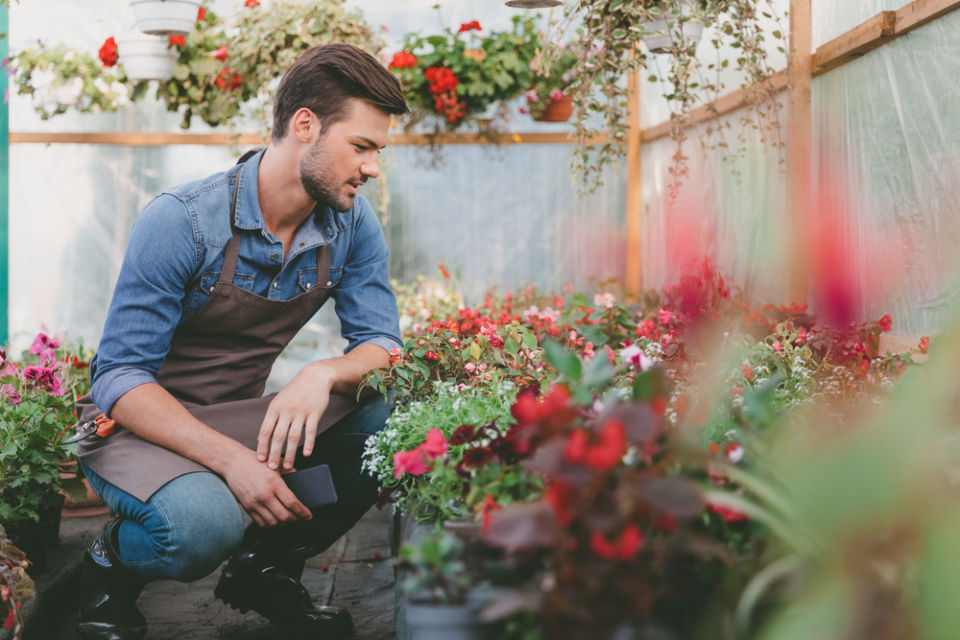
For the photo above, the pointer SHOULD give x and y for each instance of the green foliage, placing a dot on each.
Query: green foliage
(438, 572)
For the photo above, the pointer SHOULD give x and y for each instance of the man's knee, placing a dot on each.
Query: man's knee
(371, 417)
(205, 524)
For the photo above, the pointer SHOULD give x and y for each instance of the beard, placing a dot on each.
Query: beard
(317, 177)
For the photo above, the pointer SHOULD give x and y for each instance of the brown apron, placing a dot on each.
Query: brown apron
(217, 368)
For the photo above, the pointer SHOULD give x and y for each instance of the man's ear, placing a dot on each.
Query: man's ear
(305, 125)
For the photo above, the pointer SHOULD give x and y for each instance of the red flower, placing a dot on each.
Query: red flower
(496, 341)
(108, 52)
(462, 434)
(435, 444)
(607, 453)
(477, 457)
(489, 506)
(441, 79)
(431, 355)
(228, 79)
(403, 60)
(252, 3)
(178, 41)
(221, 54)
(413, 462)
(473, 25)
(862, 369)
(885, 323)
(10, 621)
(728, 514)
(576, 449)
(201, 14)
(630, 542)
(443, 271)
(647, 329)
(924, 344)
(560, 495)
(747, 372)
(395, 355)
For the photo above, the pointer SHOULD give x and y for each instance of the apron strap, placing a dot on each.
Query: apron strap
(323, 265)
(232, 251)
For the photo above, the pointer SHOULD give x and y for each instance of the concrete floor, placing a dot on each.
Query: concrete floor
(355, 573)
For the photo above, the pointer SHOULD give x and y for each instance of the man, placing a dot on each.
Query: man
(219, 275)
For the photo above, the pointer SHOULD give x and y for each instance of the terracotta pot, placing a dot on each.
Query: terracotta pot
(557, 110)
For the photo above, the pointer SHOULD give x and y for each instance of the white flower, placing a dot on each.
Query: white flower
(605, 300)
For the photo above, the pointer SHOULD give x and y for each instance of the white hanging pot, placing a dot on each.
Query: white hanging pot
(146, 57)
(165, 17)
(659, 41)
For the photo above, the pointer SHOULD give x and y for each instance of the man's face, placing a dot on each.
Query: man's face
(345, 155)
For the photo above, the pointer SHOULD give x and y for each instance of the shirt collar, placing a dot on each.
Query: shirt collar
(249, 217)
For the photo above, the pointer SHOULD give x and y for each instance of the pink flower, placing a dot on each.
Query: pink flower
(53, 385)
(43, 342)
(470, 367)
(885, 323)
(412, 462)
(34, 373)
(531, 95)
(48, 358)
(777, 346)
(221, 54)
(664, 316)
(556, 94)
(436, 443)
(9, 393)
(605, 300)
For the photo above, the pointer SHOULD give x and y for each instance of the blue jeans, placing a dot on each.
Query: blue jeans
(188, 527)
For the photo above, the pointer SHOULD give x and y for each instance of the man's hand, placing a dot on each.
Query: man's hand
(262, 491)
(294, 411)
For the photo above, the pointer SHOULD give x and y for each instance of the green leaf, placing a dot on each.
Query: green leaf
(565, 362)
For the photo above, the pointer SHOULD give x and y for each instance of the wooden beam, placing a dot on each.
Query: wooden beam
(799, 144)
(634, 257)
(882, 28)
(157, 139)
(725, 104)
(866, 37)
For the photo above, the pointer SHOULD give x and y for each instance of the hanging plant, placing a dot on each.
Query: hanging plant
(451, 76)
(612, 32)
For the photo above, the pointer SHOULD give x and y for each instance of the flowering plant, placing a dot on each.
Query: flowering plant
(36, 412)
(16, 587)
(437, 571)
(552, 80)
(58, 79)
(459, 73)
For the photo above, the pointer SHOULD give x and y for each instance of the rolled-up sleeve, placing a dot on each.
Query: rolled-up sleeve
(147, 303)
(365, 302)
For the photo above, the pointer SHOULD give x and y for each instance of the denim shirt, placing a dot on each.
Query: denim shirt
(174, 258)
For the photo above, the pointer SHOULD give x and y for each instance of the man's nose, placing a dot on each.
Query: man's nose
(370, 168)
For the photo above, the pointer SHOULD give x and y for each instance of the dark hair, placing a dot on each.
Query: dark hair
(324, 78)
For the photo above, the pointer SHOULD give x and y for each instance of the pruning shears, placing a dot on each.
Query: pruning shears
(101, 426)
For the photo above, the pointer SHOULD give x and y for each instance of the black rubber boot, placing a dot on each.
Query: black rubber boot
(269, 583)
(110, 593)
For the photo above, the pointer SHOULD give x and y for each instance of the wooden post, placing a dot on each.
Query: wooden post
(799, 140)
(634, 258)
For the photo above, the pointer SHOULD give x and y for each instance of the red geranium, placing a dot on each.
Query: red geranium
(201, 14)
(252, 3)
(630, 542)
(473, 25)
(108, 52)
(885, 323)
(178, 41)
(441, 79)
(403, 60)
(221, 54)
(228, 79)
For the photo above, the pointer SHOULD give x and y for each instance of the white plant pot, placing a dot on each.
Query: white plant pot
(165, 17)
(660, 41)
(146, 57)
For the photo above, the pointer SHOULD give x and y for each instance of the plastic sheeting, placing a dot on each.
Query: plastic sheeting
(886, 159)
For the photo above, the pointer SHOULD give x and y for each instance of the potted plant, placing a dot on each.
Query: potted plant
(680, 20)
(146, 57)
(549, 99)
(610, 31)
(36, 412)
(16, 587)
(455, 74)
(165, 17)
(437, 591)
(58, 79)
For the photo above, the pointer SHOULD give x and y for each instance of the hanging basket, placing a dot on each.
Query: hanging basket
(146, 57)
(165, 17)
(557, 110)
(660, 40)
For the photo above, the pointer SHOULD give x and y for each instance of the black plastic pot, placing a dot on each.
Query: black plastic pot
(36, 538)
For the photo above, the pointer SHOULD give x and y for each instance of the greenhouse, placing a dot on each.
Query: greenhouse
(479, 319)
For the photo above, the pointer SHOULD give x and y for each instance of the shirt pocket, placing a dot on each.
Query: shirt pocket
(209, 280)
(307, 279)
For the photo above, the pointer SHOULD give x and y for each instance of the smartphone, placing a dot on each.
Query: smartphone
(312, 486)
